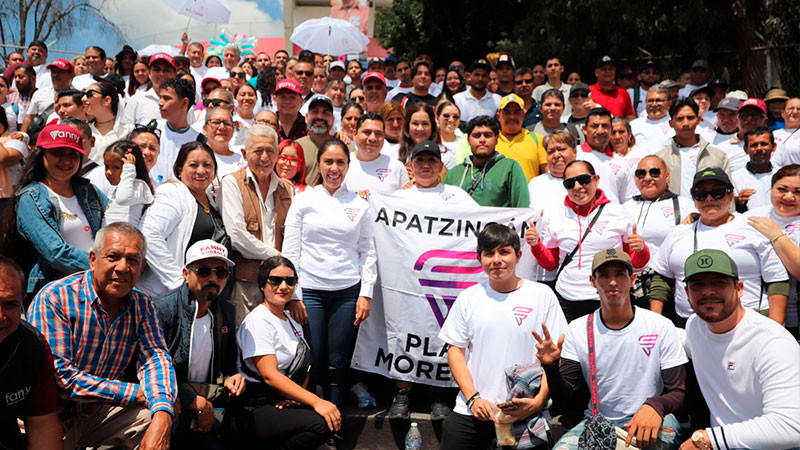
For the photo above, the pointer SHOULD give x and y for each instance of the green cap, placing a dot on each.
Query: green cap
(611, 255)
(710, 261)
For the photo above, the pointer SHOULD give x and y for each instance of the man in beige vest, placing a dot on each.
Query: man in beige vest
(254, 206)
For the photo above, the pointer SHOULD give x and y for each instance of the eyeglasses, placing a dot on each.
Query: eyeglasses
(579, 95)
(216, 123)
(91, 92)
(307, 73)
(523, 81)
(216, 102)
(265, 122)
(700, 195)
(290, 159)
(205, 272)
(241, 75)
(358, 98)
(656, 100)
(151, 127)
(276, 281)
(583, 179)
(654, 172)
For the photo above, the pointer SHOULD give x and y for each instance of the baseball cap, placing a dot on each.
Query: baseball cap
(207, 80)
(60, 135)
(374, 76)
(626, 72)
(374, 60)
(207, 248)
(505, 58)
(61, 64)
(390, 59)
(649, 63)
(738, 94)
(162, 57)
(289, 84)
(729, 103)
(611, 255)
(776, 94)
(755, 103)
(511, 98)
(605, 60)
(718, 82)
(480, 64)
(319, 98)
(113, 78)
(334, 65)
(711, 173)
(706, 89)
(426, 146)
(701, 64)
(579, 86)
(669, 84)
(710, 261)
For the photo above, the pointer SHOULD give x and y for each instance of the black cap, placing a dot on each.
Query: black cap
(480, 64)
(625, 72)
(706, 89)
(718, 82)
(605, 60)
(38, 43)
(113, 78)
(426, 146)
(319, 98)
(649, 63)
(711, 173)
(701, 64)
(579, 86)
(505, 58)
(126, 49)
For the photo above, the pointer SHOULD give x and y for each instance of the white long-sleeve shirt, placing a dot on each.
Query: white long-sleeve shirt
(750, 378)
(235, 225)
(129, 199)
(329, 238)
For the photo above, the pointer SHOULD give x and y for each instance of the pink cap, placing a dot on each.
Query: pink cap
(60, 136)
(290, 84)
(162, 57)
(756, 102)
(374, 76)
(63, 64)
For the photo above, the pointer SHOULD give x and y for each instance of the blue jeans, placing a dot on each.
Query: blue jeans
(666, 440)
(331, 334)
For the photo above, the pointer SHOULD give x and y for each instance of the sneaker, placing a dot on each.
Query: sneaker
(361, 396)
(399, 408)
(439, 411)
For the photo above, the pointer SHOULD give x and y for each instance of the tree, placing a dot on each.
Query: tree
(22, 21)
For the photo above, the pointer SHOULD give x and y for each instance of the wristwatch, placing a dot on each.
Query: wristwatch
(698, 441)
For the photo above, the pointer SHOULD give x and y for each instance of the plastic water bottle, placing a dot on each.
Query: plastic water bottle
(362, 396)
(413, 438)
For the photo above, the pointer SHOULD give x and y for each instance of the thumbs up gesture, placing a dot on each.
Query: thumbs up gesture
(635, 241)
(532, 235)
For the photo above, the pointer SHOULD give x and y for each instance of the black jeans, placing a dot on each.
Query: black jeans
(266, 426)
(460, 432)
(577, 308)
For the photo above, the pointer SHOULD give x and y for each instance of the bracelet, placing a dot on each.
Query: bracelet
(772, 241)
(472, 399)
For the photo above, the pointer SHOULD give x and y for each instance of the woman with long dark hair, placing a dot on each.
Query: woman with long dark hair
(101, 101)
(420, 125)
(140, 77)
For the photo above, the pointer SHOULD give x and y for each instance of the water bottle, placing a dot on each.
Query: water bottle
(413, 438)
(362, 397)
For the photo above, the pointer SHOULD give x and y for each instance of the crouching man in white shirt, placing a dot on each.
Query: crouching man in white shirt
(747, 366)
(494, 321)
(640, 362)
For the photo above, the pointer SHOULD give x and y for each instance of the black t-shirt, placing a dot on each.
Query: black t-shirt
(409, 98)
(207, 225)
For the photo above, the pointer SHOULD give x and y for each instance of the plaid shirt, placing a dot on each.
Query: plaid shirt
(23, 102)
(91, 351)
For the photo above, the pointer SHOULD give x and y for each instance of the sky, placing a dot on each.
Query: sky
(145, 22)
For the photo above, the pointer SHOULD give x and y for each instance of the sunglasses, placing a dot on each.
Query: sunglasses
(524, 81)
(579, 95)
(205, 272)
(451, 116)
(583, 179)
(307, 73)
(276, 281)
(650, 72)
(241, 75)
(91, 92)
(700, 195)
(289, 158)
(358, 98)
(151, 127)
(214, 102)
(654, 172)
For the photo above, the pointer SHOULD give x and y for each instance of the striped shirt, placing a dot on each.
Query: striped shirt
(91, 350)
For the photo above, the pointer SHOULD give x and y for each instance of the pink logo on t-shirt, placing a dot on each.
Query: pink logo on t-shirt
(614, 167)
(599, 227)
(383, 173)
(648, 343)
(693, 159)
(668, 211)
(352, 213)
(521, 313)
(792, 228)
(733, 239)
(447, 195)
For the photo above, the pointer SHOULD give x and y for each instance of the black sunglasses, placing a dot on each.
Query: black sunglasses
(205, 272)
(91, 92)
(241, 75)
(523, 81)
(579, 95)
(276, 281)
(655, 172)
(151, 127)
(215, 102)
(358, 98)
(717, 194)
(583, 179)
(307, 73)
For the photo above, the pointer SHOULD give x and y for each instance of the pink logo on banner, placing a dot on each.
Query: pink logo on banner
(733, 239)
(352, 213)
(447, 195)
(648, 343)
(668, 211)
(599, 227)
(383, 173)
(521, 313)
(452, 255)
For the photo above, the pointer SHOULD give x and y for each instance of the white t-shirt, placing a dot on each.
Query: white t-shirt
(655, 220)
(642, 349)
(615, 179)
(171, 142)
(40, 100)
(391, 150)
(652, 135)
(442, 194)
(15, 171)
(74, 226)
(788, 151)
(750, 250)
(750, 379)
(736, 154)
(495, 329)
(547, 192)
(761, 182)
(688, 168)
(82, 82)
(10, 116)
(201, 350)
(229, 163)
(262, 333)
(563, 228)
(382, 175)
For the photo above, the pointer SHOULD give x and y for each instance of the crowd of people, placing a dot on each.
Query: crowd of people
(188, 249)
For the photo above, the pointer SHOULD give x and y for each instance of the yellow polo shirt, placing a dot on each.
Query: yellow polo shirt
(526, 149)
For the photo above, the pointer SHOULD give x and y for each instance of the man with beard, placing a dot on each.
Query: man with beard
(752, 113)
(517, 143)
(319, 121)
(752, 184)
(648, 77)
(37, 58)
(477, 101)
(25, 79)
(374, 86)
(199, 328)
(747, 366)
(727, 122)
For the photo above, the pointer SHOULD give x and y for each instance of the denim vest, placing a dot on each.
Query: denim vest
(39, 222)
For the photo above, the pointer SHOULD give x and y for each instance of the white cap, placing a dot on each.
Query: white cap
(740, 95)
(207, 249)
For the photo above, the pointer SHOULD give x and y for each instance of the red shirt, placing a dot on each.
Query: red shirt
(616, 100)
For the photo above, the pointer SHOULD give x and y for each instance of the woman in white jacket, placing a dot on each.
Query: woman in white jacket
(329, 239)
(182, 213)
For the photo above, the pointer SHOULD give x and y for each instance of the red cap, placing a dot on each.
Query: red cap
(756, 102)
(208, 80)
(374, 76)
(63, 64)
(60, 136)
(162, 57)
(290, 84)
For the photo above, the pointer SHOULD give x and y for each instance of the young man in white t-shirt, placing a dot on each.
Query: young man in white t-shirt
(494, 321)
(640, 361)
(747, 366)
(176, 97)
(370, 170)
(752, 184)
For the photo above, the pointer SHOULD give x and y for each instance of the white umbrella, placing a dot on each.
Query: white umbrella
(329, 36)
(206, 11)
(152, 49)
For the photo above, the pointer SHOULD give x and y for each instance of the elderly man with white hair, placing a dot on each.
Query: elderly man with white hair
(254, 206)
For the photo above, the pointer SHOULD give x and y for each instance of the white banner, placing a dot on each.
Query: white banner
(426, 257)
